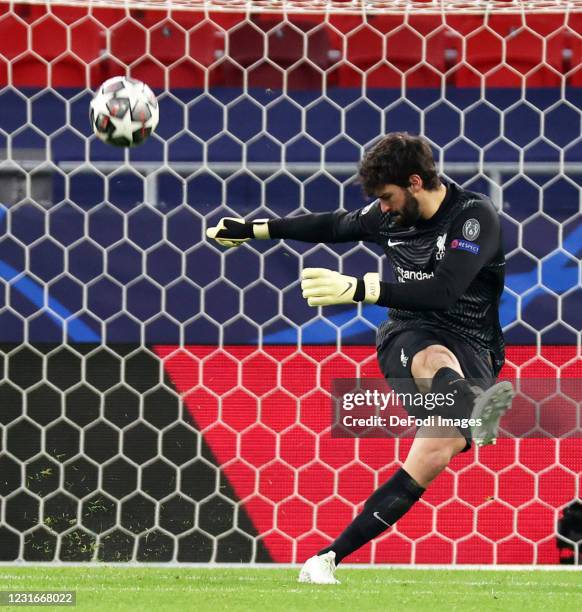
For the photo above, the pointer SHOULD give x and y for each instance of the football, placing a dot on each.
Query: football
(124, 112)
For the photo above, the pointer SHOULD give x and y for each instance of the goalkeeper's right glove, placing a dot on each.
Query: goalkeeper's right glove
(323, 287)
(232, 232)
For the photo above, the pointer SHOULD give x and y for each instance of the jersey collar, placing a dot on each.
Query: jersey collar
(452, 191)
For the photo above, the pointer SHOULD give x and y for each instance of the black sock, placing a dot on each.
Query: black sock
(382, 509)
(446, 380)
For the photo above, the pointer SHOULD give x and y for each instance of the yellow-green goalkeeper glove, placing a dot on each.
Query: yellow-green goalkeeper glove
(324, 287)
(232, 232)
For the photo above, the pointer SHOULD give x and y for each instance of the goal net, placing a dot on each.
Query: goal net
(163, 400)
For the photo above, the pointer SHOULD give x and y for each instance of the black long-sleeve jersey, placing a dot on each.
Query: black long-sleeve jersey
(450, 268)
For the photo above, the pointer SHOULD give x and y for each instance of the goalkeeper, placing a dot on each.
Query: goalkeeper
(444, 246)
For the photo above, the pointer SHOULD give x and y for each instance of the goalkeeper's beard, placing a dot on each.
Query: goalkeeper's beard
(410, 212)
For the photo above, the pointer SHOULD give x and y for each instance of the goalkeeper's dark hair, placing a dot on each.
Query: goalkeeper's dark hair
(394, 159)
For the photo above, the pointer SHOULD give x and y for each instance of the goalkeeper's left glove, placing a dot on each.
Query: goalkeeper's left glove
(324, 287)
(232, 232)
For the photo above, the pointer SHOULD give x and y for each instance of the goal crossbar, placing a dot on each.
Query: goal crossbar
(344, 7)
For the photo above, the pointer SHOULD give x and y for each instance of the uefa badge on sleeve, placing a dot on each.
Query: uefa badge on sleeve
(471, 230)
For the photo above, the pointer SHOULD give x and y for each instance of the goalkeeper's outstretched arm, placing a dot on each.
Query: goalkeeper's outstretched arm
(340, 226)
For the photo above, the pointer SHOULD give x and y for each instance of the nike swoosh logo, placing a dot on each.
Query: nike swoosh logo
(350, 285)
(391, 243)
(376, 515)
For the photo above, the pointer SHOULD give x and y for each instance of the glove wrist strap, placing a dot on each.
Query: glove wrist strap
(360, 293)
(372, 287)
(261, 229)
(368, 288)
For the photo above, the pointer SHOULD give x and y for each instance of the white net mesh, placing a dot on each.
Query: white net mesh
(342, 7)
(163, 400)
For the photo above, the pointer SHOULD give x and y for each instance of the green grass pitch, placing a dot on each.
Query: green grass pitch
(263, 590)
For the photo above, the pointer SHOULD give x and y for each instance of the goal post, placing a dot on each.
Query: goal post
(164, 400)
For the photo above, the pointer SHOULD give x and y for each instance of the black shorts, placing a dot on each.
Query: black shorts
(395, 360)
(395, 357)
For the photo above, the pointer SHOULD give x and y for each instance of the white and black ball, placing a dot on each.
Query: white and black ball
(124, 112)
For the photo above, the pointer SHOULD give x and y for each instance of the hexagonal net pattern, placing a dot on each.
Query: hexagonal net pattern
(161, 399)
